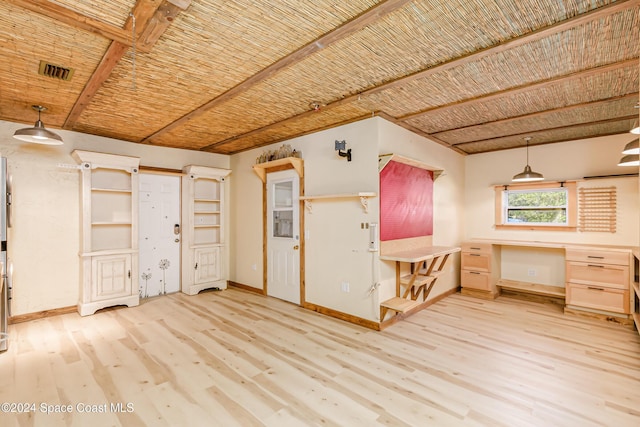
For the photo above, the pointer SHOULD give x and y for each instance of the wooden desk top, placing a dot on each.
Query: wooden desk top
(552, 245)
(419, 254)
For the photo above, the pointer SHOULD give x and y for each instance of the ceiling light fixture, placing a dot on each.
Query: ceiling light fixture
(632, 147)
(630, 160)
(527, 175)
(38, 134)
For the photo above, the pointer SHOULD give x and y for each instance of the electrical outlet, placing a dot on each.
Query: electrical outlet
(532, 272)
(345, 287)
(254, 267)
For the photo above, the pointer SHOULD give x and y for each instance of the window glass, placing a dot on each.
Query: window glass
(548, 206)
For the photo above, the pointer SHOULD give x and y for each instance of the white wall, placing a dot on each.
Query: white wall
(43, 243)
(562, 161)
(336, 247)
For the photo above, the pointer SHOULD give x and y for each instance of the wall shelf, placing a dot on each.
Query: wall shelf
(384, 159)
(363, 196)
(261, 168)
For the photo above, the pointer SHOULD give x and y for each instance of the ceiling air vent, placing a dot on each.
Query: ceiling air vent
(55, 71)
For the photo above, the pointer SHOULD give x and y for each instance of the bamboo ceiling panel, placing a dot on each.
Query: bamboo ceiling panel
(551, 119)
(114, 12)
(546, 137)
(20, 84)
(511, 69)
(227, 76)
(290, 92)
(560, 94)
(209, 49)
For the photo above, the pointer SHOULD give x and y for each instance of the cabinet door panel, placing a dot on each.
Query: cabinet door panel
(474, 247)
(614, 300)
(611, 276)
(476, 261)
(207, 265)
(599, 256)
(475, 280)
(111, 276)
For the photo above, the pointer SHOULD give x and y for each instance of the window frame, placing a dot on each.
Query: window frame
(572, 205)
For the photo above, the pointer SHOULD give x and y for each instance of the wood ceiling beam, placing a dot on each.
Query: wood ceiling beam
(420, 132)
(299, 134)
(537, 132)
(524, 88)
(537, 114)
(456, 62)
(585, 18)
(75, 19)
(345, 30)
(153, 17)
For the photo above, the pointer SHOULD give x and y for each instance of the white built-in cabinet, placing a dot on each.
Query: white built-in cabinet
(109, 231)
(204, 212)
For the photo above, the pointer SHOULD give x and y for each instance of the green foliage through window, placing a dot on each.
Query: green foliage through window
(548, 206)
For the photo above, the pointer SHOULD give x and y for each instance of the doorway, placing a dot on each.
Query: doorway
(283, 235)
(159, 234)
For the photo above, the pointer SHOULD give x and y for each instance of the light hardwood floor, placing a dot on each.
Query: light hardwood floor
(233, 358)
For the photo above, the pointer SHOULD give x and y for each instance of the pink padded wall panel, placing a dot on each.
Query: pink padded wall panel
(406, 202)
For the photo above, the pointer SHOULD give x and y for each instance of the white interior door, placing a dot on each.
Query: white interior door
(159, 230)
(283, 235)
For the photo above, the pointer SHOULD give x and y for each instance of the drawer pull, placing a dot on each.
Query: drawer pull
(474, 254)
(595, 265)
(473, 272)
(475, 249)
(591, 288)
(595, 257)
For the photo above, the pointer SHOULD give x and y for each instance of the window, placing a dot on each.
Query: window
(536, 206)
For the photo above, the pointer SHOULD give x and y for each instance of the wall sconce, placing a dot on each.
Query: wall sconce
(342, 145)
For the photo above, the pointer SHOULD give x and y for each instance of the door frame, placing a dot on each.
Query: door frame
(265, 236)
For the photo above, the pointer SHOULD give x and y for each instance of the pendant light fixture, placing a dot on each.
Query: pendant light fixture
(38, 134)
(631, 154)
(527, 175)
(632, 147)
(630, 160)
(636, 128)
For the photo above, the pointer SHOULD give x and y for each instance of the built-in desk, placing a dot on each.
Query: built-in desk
(594, 279)
(426, 264)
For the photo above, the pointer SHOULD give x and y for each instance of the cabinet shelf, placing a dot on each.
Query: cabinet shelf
(364, 197)
(261, 168)
(109, 238)
(111, 190)
(204, 212)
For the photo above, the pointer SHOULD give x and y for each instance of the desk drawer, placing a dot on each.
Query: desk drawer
(475, 280)
(481, 248)
(598, 256)
(476, 262)
(596, 274)
(614, 300)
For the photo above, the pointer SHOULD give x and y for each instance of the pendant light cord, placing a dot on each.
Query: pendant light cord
(133, 52)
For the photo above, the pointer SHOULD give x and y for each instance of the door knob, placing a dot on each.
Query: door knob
(177, 240)
(296, 247)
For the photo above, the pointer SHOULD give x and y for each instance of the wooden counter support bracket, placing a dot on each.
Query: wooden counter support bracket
(420, 281)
